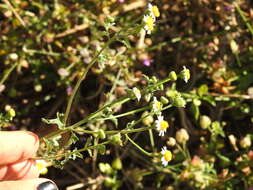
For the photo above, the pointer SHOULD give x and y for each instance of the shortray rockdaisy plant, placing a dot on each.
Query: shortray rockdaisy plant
(161, 125)
(166, 156)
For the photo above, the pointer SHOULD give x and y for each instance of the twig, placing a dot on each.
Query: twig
(72, 30)
(14, 12)
(247, 97)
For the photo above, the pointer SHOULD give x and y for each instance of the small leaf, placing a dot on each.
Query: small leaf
(57, 121)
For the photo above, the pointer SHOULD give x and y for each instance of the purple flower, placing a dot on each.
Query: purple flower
(146, 62)
(69, 90)
(228, 8)
(251, 188)
(121, 1)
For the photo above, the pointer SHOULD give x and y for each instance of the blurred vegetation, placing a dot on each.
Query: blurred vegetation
(45, 46)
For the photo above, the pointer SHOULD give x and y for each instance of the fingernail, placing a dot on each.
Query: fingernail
(48, 185)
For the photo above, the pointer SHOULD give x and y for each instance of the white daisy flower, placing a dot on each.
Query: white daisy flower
(149, 23)
(161, 125)
(166, 156)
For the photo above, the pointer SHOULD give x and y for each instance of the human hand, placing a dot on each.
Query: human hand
(17, 170)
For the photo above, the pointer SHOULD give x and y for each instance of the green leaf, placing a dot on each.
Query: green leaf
(57, 121)
(202, 90)
(125, 42)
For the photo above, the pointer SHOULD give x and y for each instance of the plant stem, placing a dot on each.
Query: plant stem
(116, 131)
(84, 76)
(245, 20)
(137, 146)
(8, 72)
(68, 154)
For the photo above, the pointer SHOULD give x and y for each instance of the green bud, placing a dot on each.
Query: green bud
(109, 182)
(204, 121)
(101, 134)
(182, 136)
(101, 149)
(148, 120)
(173, 76)
(117, 164)
(245, 142)
(11, 112)
(178, 101)
(196, 102)
(116, 139)
(164, 100)
(147, 97)
(38, 87)
(105, 168)
(154, 79)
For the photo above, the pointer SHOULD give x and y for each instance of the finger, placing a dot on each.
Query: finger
(16, 146)
(19, 171)
(35, 184)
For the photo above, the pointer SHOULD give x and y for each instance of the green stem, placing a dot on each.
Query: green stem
(137, 146)
(151, 137)
(115, 131)
(238, 60)
(42, 52)
(84, 76)
(68, 154)
(8, 72)
(245, 20)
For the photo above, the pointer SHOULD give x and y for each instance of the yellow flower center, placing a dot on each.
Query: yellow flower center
(41, 167)
(164, 125)
(167, 155)
(150, 23)
(155, 11)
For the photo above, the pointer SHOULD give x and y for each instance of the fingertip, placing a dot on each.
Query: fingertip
(19, 171)
(17, 146)
(35, 184)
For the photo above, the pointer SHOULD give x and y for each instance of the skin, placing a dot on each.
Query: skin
(17, 169)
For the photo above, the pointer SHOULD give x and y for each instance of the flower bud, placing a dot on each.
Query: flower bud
(245, 142)
(148, 120)
(178, 101)
(11, 113)
(171, 141)
(234, 47)
(204, 121)
(116, 139)
(13, 56)
(109, 182)
(182, 136)
(173, 76)
(101, 134)
(101, 149)
(164, 100)
(105, 168)
(117, 164)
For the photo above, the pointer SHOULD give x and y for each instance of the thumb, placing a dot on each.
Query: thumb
(35, 184)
